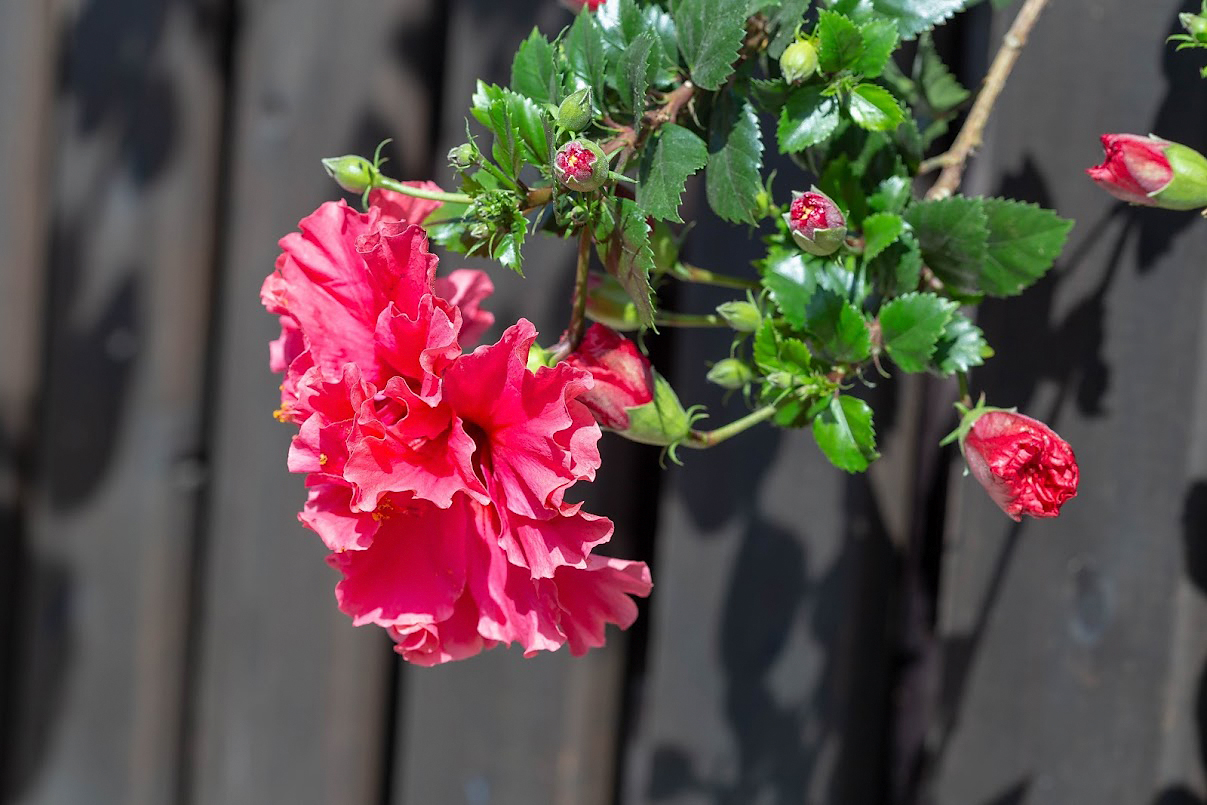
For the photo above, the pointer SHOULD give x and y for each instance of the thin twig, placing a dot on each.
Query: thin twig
(974, 126)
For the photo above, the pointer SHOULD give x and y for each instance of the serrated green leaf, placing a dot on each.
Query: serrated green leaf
(844, 432)
(661, 23)
(629, 258)
(735, 155)
(532, 69)
(961, 347)
(879, 232)
(911, 325)
(874, 108)
(642, 61)
(585, 53)
(879, 42)
(807, 119)
(1024, 241)
(766, 347)
(898, 268)
(839, 45)
(508, 247)
(791, 285)
(620, 21)
(891, 195)
(710, 35)
(939, 87)
(677, 155)
(915, 16)
(953, 234)
(786, 19)
(507, 114)
(838, 327)
(770, 95)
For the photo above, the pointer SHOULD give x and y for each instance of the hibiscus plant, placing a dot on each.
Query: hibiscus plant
(437, 476)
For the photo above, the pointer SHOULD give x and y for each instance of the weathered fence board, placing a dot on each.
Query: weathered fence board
(111, 510)
(292, 701)
(1073, 647)
(500, 728)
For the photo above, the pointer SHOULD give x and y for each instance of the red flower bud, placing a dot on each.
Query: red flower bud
(1152, 172)
(581, 165)
(578, 5)
(1023, 465)
(816, 223)
(629, 397)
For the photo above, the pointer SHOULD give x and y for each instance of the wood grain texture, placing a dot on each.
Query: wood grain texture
(112, 496)
(1075, 647)
(499, 728)
(291, 698)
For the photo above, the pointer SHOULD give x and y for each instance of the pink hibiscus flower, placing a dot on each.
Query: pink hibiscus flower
(437, 478)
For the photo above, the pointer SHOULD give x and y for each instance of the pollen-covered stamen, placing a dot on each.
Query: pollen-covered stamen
(809, 211)
(575, 160)
(581, 165)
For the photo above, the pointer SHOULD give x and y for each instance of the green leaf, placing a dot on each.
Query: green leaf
(775, 354)
(532, 70)
(915, 16)
(791, 285)
(1024, 241)
(766, 347)
(770, 95)
(807, 119)
(677, 155)
(961, 347)
(839, 45)
(508, 114)
(839, 328)
(899, 267)
(735, 155)
(891, 195)
(710, 35)
(507, 247)
(663, 26)
(939, 87)
(911, 325)
(879, 41)
(874, 108)
(786, 19)
(954, 236)
(642, 61)
(584, 52)
(628, 257)
(844, 432)
(879, 232)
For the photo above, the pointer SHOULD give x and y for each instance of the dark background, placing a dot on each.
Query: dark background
(168, 632)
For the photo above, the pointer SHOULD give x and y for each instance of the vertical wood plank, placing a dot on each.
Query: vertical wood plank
(498, 727)
(292, 700)
(1075, 647)
(769, 655)
(137, 130)
(27, 59)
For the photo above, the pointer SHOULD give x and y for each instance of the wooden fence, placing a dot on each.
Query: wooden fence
(167, 629)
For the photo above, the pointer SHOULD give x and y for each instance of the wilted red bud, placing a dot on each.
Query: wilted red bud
(578, 5)
(1023, 465)
(581, 165)
(1152, 172)
(629, 396)
(816, 223)
(623, 376)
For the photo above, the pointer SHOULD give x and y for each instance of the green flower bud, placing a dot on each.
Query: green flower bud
(575, 112)
(1188, 189)
(353, 173)
(581, 165)
(662, 421)
(798, 62)
(730, 373)
(539, 357)
(463, 156)
(1195, 25)
(741, 316)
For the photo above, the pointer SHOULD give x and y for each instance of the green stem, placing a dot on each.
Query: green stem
(965, 396)
(669, 319)
(701, 439)
(578, 311)
(690, 273)
(419, 192)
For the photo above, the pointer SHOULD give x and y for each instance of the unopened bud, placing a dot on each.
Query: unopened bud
(1195, 25)
(463, 156)
(741, 316)
(798, 62)
(353, 173)
(816, 223)
(730, 373)
(539, 357)
(1152, 172)
(581, 165)
(575, 112)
